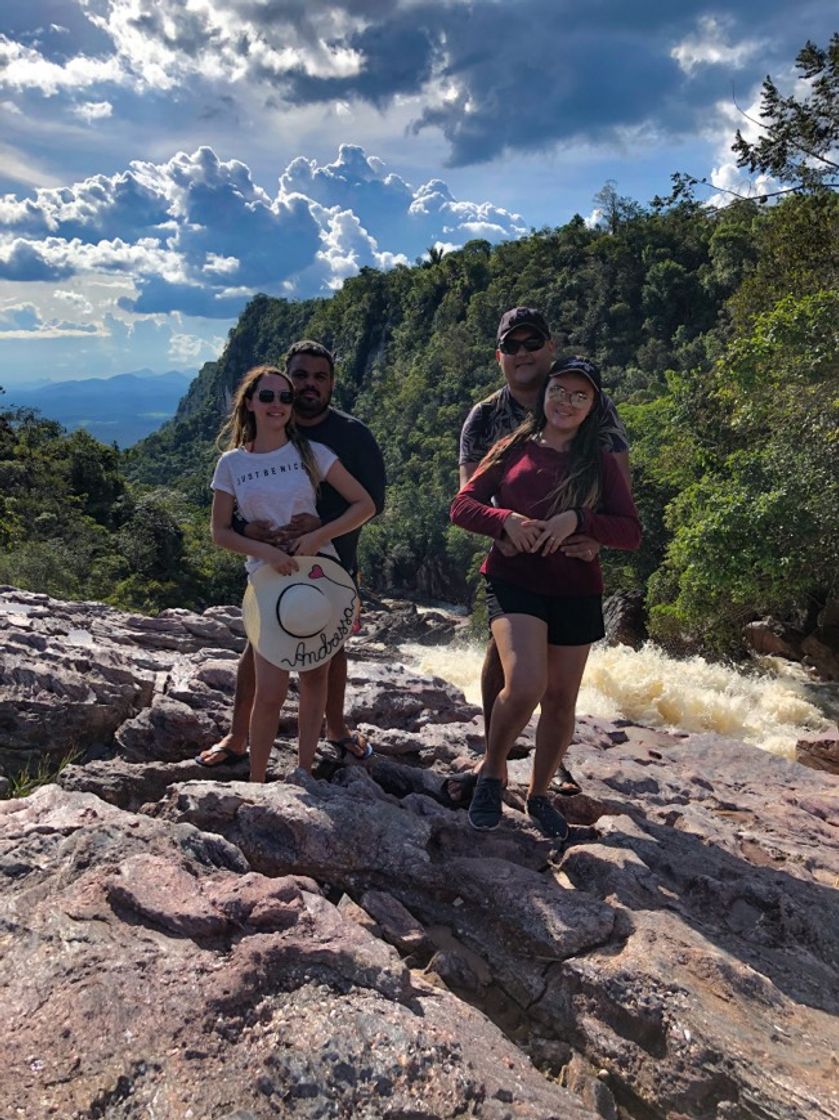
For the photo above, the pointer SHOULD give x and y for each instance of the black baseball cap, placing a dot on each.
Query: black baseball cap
(523, 317)
(577, 364)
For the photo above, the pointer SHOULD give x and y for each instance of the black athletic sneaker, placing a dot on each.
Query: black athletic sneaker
(551, 822)
(485, 809)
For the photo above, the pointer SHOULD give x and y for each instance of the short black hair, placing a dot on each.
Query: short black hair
(309, 346)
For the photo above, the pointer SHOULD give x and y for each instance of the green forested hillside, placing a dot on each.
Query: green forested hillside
(717, 334)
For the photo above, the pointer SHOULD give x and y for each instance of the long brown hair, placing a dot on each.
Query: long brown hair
(583, 484)
(239, 428)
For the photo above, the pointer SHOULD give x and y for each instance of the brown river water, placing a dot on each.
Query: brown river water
(770, 704)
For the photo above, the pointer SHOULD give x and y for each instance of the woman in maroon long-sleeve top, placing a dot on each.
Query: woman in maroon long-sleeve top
(544, 483)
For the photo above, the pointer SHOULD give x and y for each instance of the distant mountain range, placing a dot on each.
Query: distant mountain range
(120, 409)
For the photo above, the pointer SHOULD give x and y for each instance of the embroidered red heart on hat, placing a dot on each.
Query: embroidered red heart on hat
(316, 572)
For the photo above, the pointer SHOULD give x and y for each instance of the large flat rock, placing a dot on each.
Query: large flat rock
(346, 945)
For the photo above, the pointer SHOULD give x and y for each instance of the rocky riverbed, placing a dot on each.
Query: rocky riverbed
(175, 943)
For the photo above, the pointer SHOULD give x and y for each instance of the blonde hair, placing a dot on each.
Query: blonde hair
(582, 486)
(239, 428)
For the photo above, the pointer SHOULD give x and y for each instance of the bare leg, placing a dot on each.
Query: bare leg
(492, 681)
(271, 689)
(312, 687)
(236, 740)
(522, 642)
(556, 722)
(337, 730)
(336, 725)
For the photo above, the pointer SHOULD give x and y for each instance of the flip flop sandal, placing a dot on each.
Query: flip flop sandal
(579, 834)
(345, 747)
(465, 786)
(566, 785)
(223, 756)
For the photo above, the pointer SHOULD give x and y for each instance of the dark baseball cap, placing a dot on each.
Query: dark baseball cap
(577, 364)
(523, 317)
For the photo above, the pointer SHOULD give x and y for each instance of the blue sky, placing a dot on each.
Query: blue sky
(163, 160)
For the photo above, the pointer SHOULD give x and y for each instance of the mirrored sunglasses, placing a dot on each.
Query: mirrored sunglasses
(282, 396)
(513, 345)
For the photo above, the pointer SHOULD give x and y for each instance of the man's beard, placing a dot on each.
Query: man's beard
(311, 407)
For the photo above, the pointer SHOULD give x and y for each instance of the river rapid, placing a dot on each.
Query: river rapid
(769, 704)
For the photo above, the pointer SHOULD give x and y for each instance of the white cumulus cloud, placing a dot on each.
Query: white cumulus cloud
(94, 110)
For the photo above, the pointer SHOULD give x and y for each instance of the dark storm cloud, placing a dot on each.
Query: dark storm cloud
(398, 58)
(539, 72)
(492, 76)
(159, 295)
(24, 261)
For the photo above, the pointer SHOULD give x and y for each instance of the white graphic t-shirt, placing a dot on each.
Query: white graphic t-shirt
(272, 486)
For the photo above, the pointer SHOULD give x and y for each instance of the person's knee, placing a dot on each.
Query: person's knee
(314, 680)
(558, 703)
(269, 695)
(523, 692)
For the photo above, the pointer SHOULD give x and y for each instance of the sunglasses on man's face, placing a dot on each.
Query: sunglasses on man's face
(282, 396)
(513, 345)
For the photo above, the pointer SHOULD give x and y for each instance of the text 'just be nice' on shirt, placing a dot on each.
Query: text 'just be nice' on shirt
(272, 486)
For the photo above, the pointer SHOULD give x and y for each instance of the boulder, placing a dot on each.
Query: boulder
(176, 939)
(819, 750)
(769, 636)
(158, 975)
(822, 652)
(625, 619)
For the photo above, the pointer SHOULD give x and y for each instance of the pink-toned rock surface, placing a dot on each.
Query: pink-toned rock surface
(819, 750)
(145, 971)
(345, 945)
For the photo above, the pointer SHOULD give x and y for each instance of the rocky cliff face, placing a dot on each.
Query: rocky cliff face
(176, 944)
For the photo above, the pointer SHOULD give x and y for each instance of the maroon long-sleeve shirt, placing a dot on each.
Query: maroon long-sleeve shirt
(521, 485)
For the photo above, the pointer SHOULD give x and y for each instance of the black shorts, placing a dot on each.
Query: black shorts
(572, 621)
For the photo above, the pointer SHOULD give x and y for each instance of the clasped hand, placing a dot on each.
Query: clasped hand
(298, 536)
(525, 534)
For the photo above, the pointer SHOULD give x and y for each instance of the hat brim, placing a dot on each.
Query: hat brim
(262, 613)
(518, 326)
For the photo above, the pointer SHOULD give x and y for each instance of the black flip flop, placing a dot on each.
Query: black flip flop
(465, 784)
(229, 759)
(566, 785)
(346, 750)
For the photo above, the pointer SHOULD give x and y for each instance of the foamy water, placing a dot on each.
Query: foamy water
(770, 707)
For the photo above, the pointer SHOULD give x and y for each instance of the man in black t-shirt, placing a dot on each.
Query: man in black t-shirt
(312, 369)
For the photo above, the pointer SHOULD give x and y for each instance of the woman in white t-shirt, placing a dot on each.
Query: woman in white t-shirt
(270, 473)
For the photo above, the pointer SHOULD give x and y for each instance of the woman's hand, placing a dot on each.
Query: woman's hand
(522, 532)
(580, 547)
(555, 530)
(283, 563)
(309, 544)
(505, 546)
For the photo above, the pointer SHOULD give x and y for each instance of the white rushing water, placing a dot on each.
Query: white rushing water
(769, 707)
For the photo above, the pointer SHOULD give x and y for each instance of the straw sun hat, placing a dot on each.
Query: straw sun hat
(300, 621)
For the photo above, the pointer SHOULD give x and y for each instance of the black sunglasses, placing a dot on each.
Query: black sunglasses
(283, 396)
(513, 345)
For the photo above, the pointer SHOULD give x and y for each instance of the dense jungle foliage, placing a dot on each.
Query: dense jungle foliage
(717, 331)
(718, 335)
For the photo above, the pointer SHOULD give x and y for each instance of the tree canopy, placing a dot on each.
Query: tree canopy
(715, 330)
(799, 135)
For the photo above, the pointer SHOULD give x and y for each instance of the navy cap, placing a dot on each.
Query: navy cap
(577, 364)
(523, 317)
